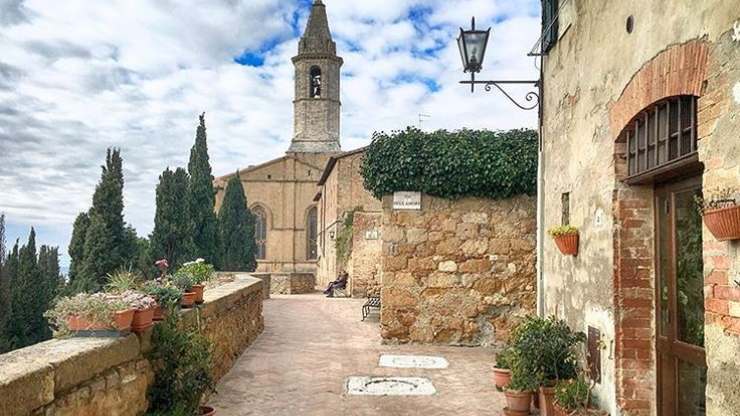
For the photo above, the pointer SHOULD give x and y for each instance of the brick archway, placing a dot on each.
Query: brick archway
(678, 70)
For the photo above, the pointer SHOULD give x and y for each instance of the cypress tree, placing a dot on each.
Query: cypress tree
(77, 244)
(51, 282)
(10, 270)
(4, 285)
(26, 323)
(236, 230)
(201, 197)
(172, 238)
(106, 246)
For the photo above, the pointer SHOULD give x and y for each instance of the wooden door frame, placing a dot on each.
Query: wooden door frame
(689, 353)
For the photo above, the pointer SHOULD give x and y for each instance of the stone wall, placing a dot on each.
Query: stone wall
(264, 277)
(110, 376)
(292, 283)
(363, 265)
(457, 272)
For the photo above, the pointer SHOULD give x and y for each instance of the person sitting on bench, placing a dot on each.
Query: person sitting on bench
(340, 283)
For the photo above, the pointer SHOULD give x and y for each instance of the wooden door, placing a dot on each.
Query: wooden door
(681, 361)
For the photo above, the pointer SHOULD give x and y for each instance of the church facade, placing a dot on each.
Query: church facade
(281, 192)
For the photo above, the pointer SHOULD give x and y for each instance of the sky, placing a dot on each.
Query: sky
(79, 76)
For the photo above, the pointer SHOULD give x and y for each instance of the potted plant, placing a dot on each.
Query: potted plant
(502, 368)
(182, 358)
(166, 295)
(184, 283)
(572, 398)
(519, 391)
(200, 272)
(548, 349)
(122, 281)
(90, 312)
(566, 238)
(143, 306)
(721, 213)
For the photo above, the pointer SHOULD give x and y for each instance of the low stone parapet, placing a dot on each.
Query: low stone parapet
(292, 283)
(110, 376)
(263, 276)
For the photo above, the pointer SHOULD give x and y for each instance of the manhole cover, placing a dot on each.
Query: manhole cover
(390, 386)
(412, 361)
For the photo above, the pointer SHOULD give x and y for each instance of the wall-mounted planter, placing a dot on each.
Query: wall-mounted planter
(723, 223)
(567, 243)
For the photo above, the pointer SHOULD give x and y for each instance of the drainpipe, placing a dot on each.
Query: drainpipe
(540, 198)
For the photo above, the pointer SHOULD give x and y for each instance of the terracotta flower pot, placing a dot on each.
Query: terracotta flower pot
(198, 289)
(207, 411)
(121, 322)
(501, 377)
(547, 401)
(518, 401)
(188, 299)
(509, 412)
(142, 320)
(567, 243)
(723, 223)
(559, 411)
(158, 313)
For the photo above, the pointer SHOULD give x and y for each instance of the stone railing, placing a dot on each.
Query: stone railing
(110, 376)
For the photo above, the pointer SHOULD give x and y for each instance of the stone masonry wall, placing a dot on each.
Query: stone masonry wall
(110, 376)
(457, 272)
(363, 266)
(292, 283)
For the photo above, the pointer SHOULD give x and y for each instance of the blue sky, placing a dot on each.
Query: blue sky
(78, 78)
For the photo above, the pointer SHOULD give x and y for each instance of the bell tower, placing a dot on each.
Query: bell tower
(316, 107)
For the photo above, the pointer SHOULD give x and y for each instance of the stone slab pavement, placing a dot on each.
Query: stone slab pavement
(311, 344)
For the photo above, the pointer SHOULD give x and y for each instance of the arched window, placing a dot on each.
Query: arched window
(661, 136)
(311, 233)
(315, 82)
(260, 232)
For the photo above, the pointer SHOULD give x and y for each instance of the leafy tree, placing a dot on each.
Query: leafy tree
(201, 197)
(236, 230)
(77, 244)
(172, 238)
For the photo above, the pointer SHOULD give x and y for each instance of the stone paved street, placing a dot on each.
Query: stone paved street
(311, 344)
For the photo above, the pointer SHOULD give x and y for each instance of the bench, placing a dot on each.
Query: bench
(340, 292)
(372, 302)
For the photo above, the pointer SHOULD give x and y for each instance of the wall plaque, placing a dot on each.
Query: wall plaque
(407, 200)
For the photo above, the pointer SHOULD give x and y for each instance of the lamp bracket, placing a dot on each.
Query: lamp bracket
(531, 97)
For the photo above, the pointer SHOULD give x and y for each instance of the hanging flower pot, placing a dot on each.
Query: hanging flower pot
(566, 238)
(723, 223)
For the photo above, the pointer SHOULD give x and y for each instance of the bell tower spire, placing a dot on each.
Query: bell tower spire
(316, 106)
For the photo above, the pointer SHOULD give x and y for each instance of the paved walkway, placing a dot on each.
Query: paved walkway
(311, 344)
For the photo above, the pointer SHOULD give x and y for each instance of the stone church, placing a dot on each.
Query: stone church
(280, 192)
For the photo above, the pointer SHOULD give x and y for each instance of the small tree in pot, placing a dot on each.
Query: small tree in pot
(502, 368)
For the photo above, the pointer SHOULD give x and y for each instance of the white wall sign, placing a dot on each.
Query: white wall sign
(407, 200)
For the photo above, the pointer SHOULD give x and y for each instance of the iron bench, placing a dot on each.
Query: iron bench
(372, 302)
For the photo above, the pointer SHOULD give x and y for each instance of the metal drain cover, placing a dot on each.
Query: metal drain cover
(412, 361)
(390, 386)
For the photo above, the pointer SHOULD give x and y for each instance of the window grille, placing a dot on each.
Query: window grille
(260, 232)
(661, 135)
(311, 234)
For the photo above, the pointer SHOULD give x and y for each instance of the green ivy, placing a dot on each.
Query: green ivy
(479, 163)
(343, 243)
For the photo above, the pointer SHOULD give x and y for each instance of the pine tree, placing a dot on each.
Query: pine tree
(171, 238)
(201, 198)
(106, 244)
(236, 230)
(77, 245)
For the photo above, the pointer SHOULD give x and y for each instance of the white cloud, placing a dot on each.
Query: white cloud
(77, 77)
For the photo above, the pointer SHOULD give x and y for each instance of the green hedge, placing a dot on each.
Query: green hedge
(479, 163)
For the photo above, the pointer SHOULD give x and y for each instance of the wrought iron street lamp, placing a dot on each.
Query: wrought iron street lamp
(472, 44)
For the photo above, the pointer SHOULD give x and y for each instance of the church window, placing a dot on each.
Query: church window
(260, 232)
(311, 234)
(315, 82)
